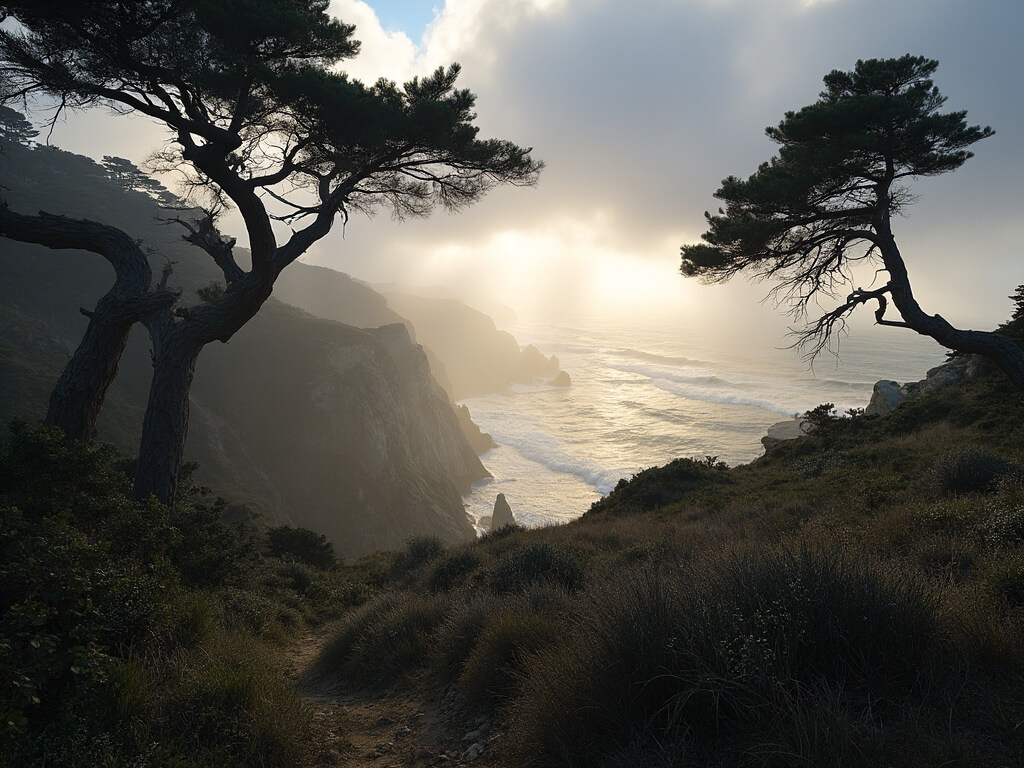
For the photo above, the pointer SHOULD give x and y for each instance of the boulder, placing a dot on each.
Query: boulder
(784, 430)
(502, 514)
(885, 398)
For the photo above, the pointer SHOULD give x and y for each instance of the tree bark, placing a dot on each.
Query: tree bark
(78, 395)
(166, 423)
(177, 342)
(1001, 350)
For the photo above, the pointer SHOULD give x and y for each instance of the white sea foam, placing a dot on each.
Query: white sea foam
(628, 408)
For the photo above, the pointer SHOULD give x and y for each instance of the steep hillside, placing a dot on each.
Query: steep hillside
(478, 358)
(310, 421)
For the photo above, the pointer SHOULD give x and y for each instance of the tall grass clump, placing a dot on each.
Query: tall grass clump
(384, 640)
(538, 562)
(968, 470)
(709, 657)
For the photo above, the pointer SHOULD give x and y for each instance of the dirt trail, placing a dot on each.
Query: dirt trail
(410, 726)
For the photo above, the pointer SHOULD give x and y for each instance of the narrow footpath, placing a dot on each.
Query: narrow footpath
(412, 725)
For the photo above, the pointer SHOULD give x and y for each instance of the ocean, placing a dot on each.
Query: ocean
(644, 395)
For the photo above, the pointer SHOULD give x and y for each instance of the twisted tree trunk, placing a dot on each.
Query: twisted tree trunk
(78, 395)
(1000, 349)
(177, 342)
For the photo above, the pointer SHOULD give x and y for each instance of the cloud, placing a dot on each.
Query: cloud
(639, 111)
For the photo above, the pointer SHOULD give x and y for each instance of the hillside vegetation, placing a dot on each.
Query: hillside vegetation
(853, 598)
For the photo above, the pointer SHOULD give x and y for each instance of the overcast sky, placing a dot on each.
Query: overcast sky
(639, 110)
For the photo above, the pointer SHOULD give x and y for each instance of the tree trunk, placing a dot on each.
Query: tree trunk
(77, 397)
(166, 423)
(1001, 350)
(177, 342)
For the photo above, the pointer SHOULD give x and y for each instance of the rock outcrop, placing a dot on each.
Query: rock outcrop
(502, 514)
(888, 395)
(561, 380)
(481, 441)
(784, 430)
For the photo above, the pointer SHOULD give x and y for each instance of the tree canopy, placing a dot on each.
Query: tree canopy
(823, 205)
(260, 118)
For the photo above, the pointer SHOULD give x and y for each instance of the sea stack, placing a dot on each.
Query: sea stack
(502, 514)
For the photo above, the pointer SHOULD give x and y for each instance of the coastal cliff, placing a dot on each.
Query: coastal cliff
(305, 420)
(342, 429)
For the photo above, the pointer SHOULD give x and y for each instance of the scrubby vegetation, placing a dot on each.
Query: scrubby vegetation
(853, 598)
(143, 637)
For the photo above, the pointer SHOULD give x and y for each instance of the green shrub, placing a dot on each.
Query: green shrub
(231, 707)
(1007, 581)
(452, 569)
(708, 655)
(503, 644)
(968, 470)
(536, 562)
(384, 640)
(301, 544)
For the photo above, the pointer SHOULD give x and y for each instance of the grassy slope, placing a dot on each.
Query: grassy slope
(854, 598)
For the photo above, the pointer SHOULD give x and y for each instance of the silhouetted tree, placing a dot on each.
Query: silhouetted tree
(15, 128)
(824, 204)
(134, 179)
(258, 114)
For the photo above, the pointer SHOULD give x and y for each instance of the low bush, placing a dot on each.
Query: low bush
(384, 640)
(503, 645)
(706, 657)
(968, 470)
(538, 562)
(453, 569)
(302, 545)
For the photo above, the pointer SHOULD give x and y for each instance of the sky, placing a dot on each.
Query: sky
(639, 111)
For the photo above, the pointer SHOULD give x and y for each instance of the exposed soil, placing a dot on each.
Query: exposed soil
(412, 725)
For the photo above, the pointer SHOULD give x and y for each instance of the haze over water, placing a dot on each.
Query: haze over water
(646, 393)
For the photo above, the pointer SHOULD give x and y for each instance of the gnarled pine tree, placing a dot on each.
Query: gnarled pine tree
(262, 120)
(824, 204)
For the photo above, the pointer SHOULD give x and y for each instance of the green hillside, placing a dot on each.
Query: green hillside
(853, 598)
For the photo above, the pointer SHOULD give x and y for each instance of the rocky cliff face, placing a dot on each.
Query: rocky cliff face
(339, 429)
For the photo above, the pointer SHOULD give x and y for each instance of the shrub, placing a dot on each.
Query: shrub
(709, 655)
(968, 470)
(301, 544)
(383, 640)
(452, 569)
(504, 643)
(418, 550)
(535, 562)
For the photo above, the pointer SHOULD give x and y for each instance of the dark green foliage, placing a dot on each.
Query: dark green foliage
(107, 657)
(968, 470)
(418, 551)
(453, 569)
(539, 562)
(302, 544)
(715, 654)
(383, 640)
(501, 650)
(660, 486)
(130, 177)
